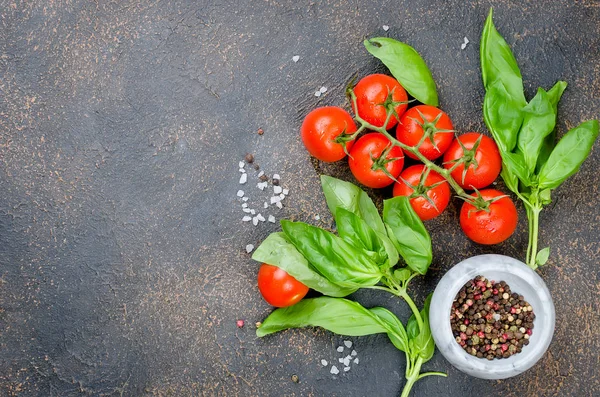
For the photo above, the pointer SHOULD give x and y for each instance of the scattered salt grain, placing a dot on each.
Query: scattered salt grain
(261, 174)
(261, 185)
(249, 248)
(275, 199)
(241, 164)
(286, 191)
(242, 170)
(341, 360)
(255, 221)
(296, 58)
(272, 220)
(243, 178)
(346, 361)
(346, 369)
(317, 217)
(324, 362)
(323, 89)
(277, 189)
(279, 205)
(265, 205)
(260, 217)
(246, 218)
(386, 28)
(348, 344)
(340, 349)
(245, 198)
(356, 360)
(282, 196)
(317, 93)
(334, 370)
(244, 205)
(246, 210)
(240, 193)
(276, 176)
(354, 353)
(464, 44)
(496, 316)
(253, 212)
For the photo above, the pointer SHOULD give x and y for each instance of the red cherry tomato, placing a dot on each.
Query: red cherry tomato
(321, 130)
(485, 162)
(439, 194)
(493, 226)
(429, 120)
(278, 287)
(371, 92)
(367, 160)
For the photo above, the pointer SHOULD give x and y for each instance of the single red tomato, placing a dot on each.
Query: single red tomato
(481, 157)
(432, 185)
(431, 122)
(491, 225)
(278, 287)
(371, 92)
(373, 159)
(325, 131)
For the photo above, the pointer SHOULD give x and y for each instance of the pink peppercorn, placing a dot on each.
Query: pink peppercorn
(240, 323)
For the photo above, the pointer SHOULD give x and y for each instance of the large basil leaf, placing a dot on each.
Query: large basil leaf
(569, 153)
(504, 99)
(409, 234)
(554, 95)
(342, 194)
(398, 337)
(407, 66)
(339, 261)
(337, 315)
(538, 122)
(357, 232)
(420, 340)
(278, 251)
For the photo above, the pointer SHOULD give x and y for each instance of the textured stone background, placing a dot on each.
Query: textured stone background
(122, 262)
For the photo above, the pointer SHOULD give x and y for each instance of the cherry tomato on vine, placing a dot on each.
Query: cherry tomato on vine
(325, 131)
(278, 287)
(431, 122)
(373, 160)
(372, 91)
(493, 224)
(481, 157)
(429, 193)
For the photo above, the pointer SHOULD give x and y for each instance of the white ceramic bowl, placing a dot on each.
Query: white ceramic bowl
(521, 280)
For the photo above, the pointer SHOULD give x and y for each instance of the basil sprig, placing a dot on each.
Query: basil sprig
(366, 253)
(533, 163)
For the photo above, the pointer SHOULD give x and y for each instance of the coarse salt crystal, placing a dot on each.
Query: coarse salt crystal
(286, 191)
(317, 217)
(346, 361)
(386, 28)
(242, 170)
(464, 44)
(279, 205)
(265, 205)
(340, 349)
(275, 199)
(346, 369)
(296, 58)
(255, 221)
(354, 353)
(348, 344)
(246, 218)
(245, 198)
(253, 212)
(260, 217)
(276, 176)
(341, 360)
(241, 164)
(324, 362)
(244, 205)
(240, 193)
(249, 248)
(261, 185)
(323, 89)
(356, 360)
(243, 178)
(282, 196)
(272, 220)
(334, 370)
(317, 93)
(277, 189)
(261, 174)
(246, 210)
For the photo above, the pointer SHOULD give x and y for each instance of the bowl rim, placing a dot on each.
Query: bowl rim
(441, 304)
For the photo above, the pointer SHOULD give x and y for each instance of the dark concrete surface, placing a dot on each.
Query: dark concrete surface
(122, 261)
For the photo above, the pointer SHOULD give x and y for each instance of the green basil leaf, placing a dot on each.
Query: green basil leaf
(397, 334)
(542, 256)
(337, 315)
(554, 95)
(278, 251)
(504, 100)
(568, 155)
(402, 275)
(421, 341)
(510, 180)
(407, 66)
(545, 196)
(514, 163)
(344, 194)
(410, 236)
(538, 122)
(337, 260)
